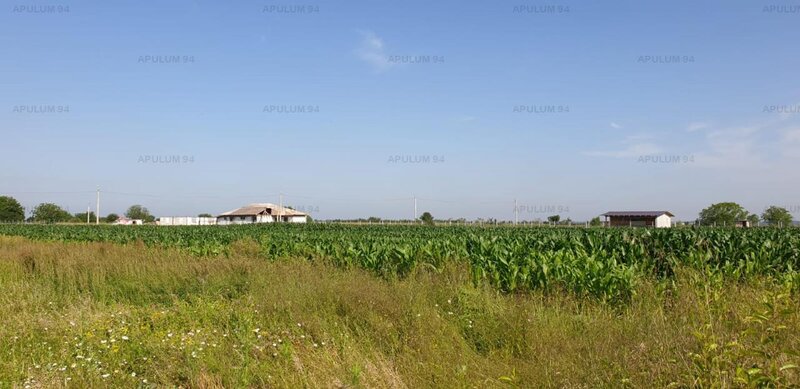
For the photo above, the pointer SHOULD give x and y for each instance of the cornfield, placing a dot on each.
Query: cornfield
(604, 263)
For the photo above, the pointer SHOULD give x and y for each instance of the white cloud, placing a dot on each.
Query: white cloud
(790, 110)
(790, 144)
(761, 145)
(638, 138)
(636, 145)
(733, 153)
(738, 147)
(697, 126)
(371, 51)
(615, 125)
(792, 136)
(631, 151)
(769, 147)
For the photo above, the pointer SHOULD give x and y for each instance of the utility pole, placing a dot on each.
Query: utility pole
(415, 211)
(97, 211)
(516, 213)
(280, 206)
(88, 207)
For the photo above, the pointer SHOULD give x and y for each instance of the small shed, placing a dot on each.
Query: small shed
(659, 219)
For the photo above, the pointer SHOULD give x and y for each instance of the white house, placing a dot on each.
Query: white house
(124, 221)
(659, 219)
(261, 213)
(186, 221)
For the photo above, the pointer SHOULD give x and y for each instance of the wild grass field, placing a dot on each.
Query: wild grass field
(100, 314)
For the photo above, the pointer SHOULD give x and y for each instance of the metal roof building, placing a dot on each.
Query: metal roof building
(661, 219)
(261, 213)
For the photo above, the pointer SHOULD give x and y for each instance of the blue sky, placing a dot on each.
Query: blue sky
(582, 106)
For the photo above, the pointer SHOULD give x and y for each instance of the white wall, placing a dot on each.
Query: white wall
(664, 221)
(260, 219)
(265, 219)
(186, 221)
(129, 222)
(298, 219)
(236, 220)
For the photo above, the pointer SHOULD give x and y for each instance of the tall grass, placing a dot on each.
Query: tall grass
(600, 262)
(98, 314)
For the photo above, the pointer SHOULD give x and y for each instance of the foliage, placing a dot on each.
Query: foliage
(139, 212)
(604, 263)
(205, 215)
(554, 218)
(751, 354)
(777, 216)
(102, 315)
(595, 222)
(81, 217)
(50, 213)
(427, 218)
(112, 217)
(723, 214)
(11, 210)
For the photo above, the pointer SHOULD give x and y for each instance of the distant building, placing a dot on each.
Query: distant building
(743, 223)
(186, 221)
(128, 222)
(261, 213)
(639, 219)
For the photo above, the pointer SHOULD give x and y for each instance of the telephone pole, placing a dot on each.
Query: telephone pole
(97, 210)
(516, 213)
(88, 207)
(280, 205)
(415, 210)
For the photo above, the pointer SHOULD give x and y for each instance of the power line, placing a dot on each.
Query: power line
(187, 195)
(79, 192)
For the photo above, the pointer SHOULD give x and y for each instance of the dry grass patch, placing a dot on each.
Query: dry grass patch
(96, 315)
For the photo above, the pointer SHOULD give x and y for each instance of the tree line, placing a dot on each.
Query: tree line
(11, 211)
(719, 214)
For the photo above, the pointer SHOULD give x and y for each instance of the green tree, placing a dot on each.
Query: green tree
(554, 218)
(139, 212)
(753, 219)
(723, 214)
(427, 218)
(50, 213)
(11, 210)
(112, 217)
(595, 222)
(204, 215)
(81, 217)
(777, 216)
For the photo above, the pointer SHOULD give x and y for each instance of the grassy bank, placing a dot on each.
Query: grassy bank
(99, 314)
(604, 263)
